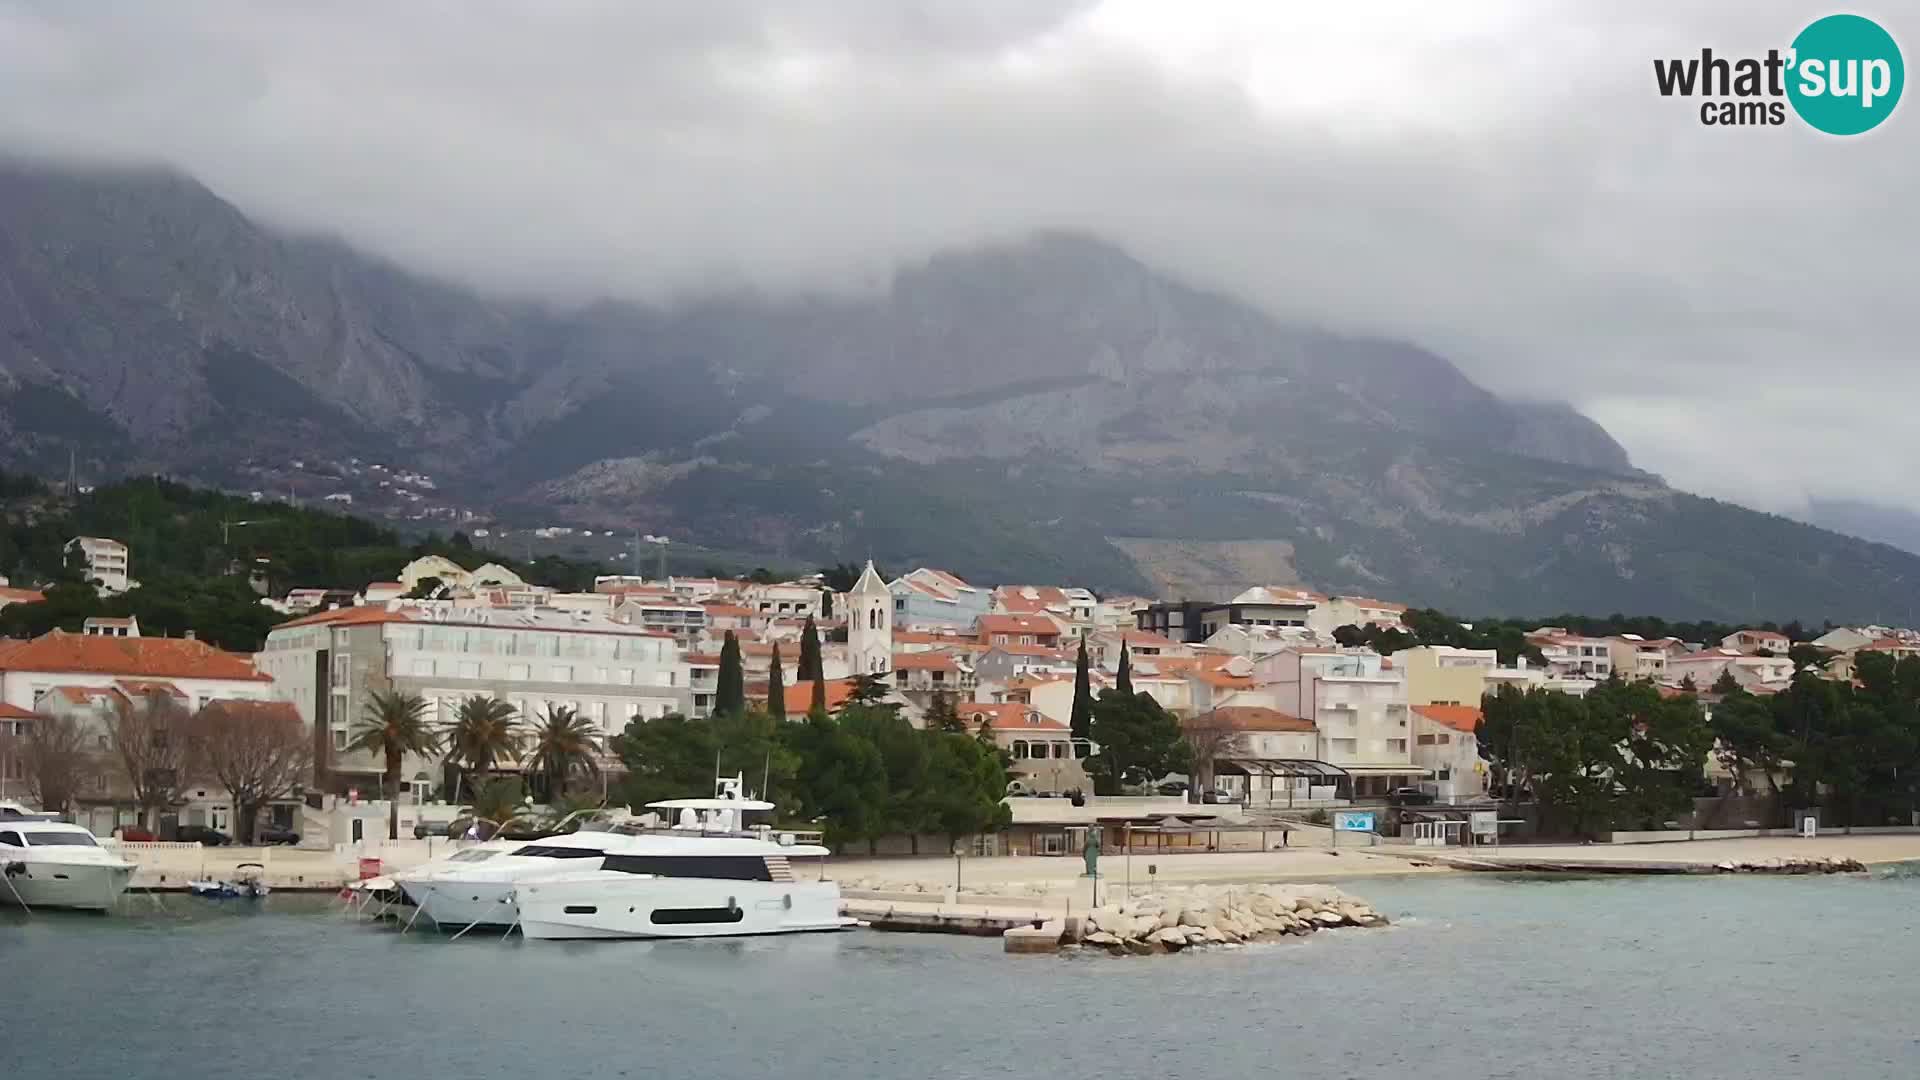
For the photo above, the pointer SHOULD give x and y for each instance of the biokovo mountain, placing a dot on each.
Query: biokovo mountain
(1049, 409)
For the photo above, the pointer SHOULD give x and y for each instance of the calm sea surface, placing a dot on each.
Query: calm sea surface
(1481, 978)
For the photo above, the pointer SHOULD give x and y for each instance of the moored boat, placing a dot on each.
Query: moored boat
(49, 863)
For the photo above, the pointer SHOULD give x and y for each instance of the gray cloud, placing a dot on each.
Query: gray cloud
(1498, 182)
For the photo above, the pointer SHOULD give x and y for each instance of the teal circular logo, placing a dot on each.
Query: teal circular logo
(1845, 75)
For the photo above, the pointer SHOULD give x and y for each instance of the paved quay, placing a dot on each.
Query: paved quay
(1675, 856)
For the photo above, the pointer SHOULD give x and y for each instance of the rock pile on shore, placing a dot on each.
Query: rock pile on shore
(1794, 866)
(1218, 915)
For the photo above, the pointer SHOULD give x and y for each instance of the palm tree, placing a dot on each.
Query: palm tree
(563, 743)
(395, 725)
(485, 731)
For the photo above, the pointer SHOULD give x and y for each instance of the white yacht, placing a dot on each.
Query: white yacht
(473, 887)
(50, 863)
(699, 885)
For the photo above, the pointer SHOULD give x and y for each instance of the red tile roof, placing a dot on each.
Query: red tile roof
(924, 661)
(1458, 717)
(348, 616)
(1017, 624)
(1029, 650)
(15, 712)
(1011, 716)
(9, 595)
(161, 658)
(1221, 679)
(731, 610)
(799, 696)
(1249, 718)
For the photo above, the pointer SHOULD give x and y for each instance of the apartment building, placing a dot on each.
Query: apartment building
(1358, 706)
(929, 597)
(105, 562)
(1195, 621)
(1573, 655)
(1444, 675)
(1636, 657)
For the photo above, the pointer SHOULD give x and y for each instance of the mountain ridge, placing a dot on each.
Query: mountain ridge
(1009, 411)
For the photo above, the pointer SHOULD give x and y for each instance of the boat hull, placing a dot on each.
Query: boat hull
(81, 886)
(612, 908)
(456, 905)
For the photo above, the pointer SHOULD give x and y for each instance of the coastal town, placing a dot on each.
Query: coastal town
(1286, 718)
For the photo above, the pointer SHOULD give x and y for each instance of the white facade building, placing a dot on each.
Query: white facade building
(1357, 704)
(330, 664)
(105, 562)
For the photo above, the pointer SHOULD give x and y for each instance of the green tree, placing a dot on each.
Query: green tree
(561, 746)
(903, 755)
(943, 713)
(809, 668)
(870, 691)
(484, 732)
(817, 703)
(966, 787)
(497, 801)
(1139, 742)
(1749, 741)
(394, 725)
(844, 781)
(1726, 683)
(776, 688)
(1082, 717)
(730, 688)
(1123, 678)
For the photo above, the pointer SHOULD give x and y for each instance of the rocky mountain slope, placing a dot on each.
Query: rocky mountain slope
(1046, 409)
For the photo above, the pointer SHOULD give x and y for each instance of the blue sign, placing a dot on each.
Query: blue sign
(1353, 820)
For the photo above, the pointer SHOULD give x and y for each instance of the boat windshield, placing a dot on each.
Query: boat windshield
(472, 856)
(61, 839)
(554, 851)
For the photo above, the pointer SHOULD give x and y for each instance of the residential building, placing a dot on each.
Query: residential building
(1118, 612)
(1705, 667)
(1261, 754)
(105, 562)
(926, 597)
(1359, 707)
(1068, 606)
(1446, 744)
(1845, 639)
(107, 626)
(435, 567)
(1635, 657)
(1445, 675)
(1229, 684)
(1525, 676)
(682, 620)
(87, 677)
(1195, 621)
(799, 697)
(1757, 641)
(1333, 612)
(1573, 655)
(1001, 663)
(379, 593)
(785, 598)
(10, 595)
(1018, 630)
(919, 675)
(330, 664)
(1045, 755)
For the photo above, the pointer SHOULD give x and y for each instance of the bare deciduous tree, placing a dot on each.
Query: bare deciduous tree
(1208, 737)
(54, 759)
(152, 739)
(257, 750)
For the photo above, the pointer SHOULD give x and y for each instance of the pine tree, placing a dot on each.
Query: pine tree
(1123, 679)
(809, 666)
(943, 714)
(776, 689)
(730, 690)
(1082, 723)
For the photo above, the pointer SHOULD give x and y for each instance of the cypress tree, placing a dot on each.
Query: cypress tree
(818, 707)
(776, 689)
(809, 667)
(1123, 679)
(1082, 696)
(730, 689)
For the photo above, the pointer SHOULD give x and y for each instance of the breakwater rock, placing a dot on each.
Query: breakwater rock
(1794, 866)
(1170, 921)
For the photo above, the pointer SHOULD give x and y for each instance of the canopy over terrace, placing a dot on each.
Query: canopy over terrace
(1287, 780)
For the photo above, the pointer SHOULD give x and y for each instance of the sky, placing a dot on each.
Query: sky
(1496, 181)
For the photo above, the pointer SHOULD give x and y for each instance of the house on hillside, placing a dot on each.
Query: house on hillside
(928, 597)
(103, 561)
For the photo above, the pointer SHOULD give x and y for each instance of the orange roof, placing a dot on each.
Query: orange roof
(925, 637)
(1011, 716)
(1025, 682)
(1017, 624)
(728, 609)
(1889, 644)
(1249, 718)
(702, 659)
(1029, 650)
(15, 712)
(10, 595)
(799, 696)
(163, 658)
(1147, 638)
(1458, 717)
(1222, 679)
(139, 688)
(349, 616)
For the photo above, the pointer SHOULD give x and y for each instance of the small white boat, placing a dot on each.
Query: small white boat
(48, 863)
(247, 883)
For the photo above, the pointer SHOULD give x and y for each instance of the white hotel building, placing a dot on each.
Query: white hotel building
(330, 664)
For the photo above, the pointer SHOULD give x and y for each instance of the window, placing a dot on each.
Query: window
(1396, 746)
(725, 867)
(469, 669)
(12, 839)
(423, 667)
(339, 740)
(561, 673)
(517, 671)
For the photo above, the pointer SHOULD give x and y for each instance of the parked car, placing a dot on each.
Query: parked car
(1409, 796)
(272, 835)
(1172, 788)
(203, 835)
(135, 835)
(1220, 798)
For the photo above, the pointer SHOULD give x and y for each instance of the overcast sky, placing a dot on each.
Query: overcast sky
(1496, 181)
